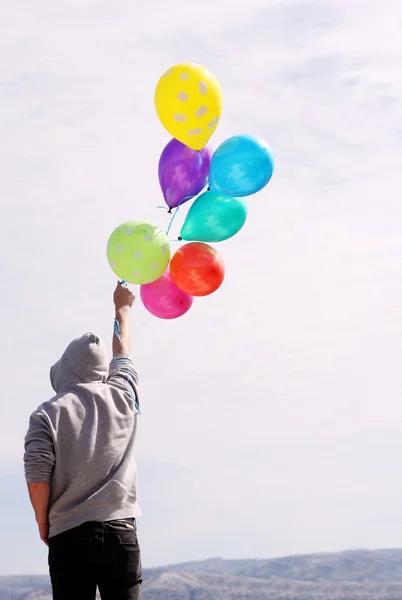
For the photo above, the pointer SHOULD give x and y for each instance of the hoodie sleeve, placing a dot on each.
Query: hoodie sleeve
(39, 456)
(123, 373)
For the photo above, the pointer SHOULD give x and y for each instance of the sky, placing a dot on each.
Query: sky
(272, 414)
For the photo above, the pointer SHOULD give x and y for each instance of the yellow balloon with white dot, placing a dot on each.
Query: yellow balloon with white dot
(189, 100)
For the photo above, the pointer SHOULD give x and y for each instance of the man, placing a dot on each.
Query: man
(81, 471)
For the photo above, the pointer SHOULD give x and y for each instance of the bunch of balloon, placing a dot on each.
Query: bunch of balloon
(188, 101)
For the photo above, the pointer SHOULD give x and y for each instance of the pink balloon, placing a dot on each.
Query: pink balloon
(163, 299)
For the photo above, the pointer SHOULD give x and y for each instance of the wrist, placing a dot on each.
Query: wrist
(42, 520)
(122, 311)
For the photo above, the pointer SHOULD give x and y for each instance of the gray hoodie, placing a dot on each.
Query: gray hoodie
(83, 439)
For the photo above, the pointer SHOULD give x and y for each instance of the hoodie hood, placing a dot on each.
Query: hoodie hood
(85, 360)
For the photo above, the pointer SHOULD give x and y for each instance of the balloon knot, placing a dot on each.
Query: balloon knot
(180, 239)
(208, 189)
(170, 211)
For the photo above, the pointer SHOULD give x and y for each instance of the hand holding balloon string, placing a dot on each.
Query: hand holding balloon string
(123, 300)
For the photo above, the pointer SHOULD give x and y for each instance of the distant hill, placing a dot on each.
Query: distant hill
(353, 575)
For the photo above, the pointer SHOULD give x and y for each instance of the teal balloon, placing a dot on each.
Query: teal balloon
(241, 166)
(214, 217)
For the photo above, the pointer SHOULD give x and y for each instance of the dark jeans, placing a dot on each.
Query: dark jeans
(94, 554)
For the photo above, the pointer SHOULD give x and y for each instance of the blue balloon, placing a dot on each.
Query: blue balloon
(214, 217)
(241, 166)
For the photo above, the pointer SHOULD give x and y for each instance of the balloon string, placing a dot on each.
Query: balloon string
(172, 219)
(183, 194)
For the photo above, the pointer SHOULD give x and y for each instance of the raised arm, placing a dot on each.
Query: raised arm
(123, 301)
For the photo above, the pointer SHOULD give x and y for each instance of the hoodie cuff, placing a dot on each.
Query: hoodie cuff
(38, 468)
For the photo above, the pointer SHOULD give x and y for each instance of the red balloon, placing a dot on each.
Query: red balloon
(197, 269)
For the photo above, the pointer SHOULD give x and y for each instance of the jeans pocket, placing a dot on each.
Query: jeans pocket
(121, 525)
(124, 553)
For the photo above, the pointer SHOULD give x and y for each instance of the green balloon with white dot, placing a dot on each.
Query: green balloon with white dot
(138, 252)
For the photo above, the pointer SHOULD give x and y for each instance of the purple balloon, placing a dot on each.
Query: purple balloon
(183, 172)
